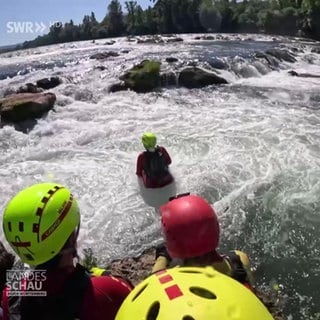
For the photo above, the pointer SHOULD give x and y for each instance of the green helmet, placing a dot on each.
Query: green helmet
(38, 221)
(149, 140)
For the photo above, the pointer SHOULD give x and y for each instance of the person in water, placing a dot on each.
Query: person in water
(191, 231)
(191, 293)
(41, 223)
(153, 164)
(6, 263)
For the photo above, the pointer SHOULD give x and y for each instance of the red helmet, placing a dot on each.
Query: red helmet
(190, 226)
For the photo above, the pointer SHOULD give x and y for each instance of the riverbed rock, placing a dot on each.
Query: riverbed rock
(171, 59)
(282, 55)
(316, 50)
(109, 43)
(150, 39)
(303, 75)
(175, 39)
(23, 106)
(168, 79)
(48, 83)
(218, 64)
(119, 86)
(271, 60)
(29, 88)
(104, 55)
(194, 77)
(143, 77)
(100, 68)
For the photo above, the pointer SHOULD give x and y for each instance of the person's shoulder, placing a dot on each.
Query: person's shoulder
(104, 297)
(110, 285)
(162, 149)
(141, 154)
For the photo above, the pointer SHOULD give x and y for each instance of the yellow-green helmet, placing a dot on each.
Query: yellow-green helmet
(38, 221)
(149, 140)
(191, 294)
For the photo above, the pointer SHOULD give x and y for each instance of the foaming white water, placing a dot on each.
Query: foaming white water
(251, 148)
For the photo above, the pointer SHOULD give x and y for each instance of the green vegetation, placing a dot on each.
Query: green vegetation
(143, 77)
(285, 17)
(89, 259)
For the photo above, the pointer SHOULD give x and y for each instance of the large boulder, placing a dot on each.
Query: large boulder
(25, 106)
(194, 77)
(143, 77)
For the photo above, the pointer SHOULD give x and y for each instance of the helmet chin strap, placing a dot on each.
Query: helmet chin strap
(69, 254)
(151, 149)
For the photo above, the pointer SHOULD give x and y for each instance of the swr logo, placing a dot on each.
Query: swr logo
(30, 26)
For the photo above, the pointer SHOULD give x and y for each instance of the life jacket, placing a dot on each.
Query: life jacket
(238, 271)
(155, 165)
(65, 306)
(232, 265)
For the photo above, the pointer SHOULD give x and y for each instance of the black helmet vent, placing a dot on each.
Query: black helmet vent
(153, 311)
(203, 293)
(139, 292)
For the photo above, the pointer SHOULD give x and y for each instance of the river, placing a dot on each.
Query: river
(251, 148)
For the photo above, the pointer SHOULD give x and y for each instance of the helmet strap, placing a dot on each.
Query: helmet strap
(65, 258)
(69, 254)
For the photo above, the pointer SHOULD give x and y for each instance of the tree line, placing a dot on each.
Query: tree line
(284, 17)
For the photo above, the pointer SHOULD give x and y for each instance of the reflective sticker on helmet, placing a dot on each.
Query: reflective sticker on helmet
(35, 228)
(45, 200)
(160, 272)
(21, 244)
(63, 214)
(173, 291)
(165, 279)
(40, 210)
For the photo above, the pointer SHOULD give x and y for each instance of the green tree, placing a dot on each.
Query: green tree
(114, 19)
(246, 15)
(68, 32)
(210, 17)
(284, 21)
(310, 21)
(151, 23)
(164, 10)
(226, 10)
(194, 13)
